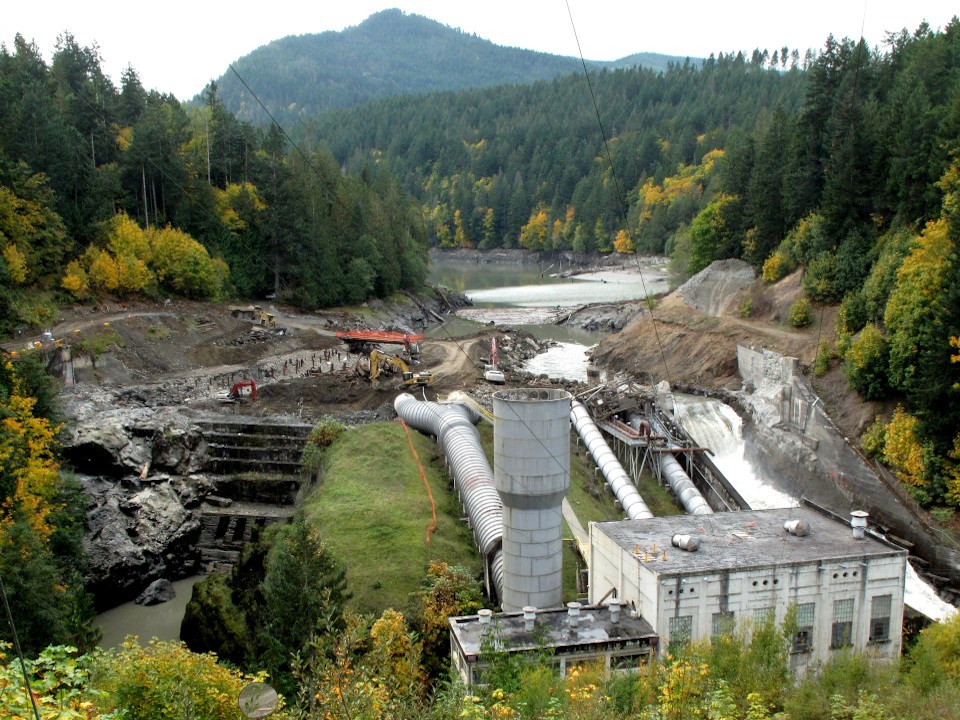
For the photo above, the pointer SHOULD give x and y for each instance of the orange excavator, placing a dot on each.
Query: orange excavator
(236, 393)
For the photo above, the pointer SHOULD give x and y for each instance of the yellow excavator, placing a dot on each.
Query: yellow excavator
(379, 359)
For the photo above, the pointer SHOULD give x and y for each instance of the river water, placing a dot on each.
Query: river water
(531, 298)
(160, 621)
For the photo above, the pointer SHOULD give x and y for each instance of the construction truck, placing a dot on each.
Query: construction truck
(256, 314)
(379, 361)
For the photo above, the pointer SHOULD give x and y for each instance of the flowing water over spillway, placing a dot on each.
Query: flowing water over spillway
(716, 425)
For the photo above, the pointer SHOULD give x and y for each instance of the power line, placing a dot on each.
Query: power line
(16, 644)
(621, 198)
(363, 220)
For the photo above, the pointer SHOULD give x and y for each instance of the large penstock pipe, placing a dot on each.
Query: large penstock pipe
(682, 485)
(633, 505)
(453, 426)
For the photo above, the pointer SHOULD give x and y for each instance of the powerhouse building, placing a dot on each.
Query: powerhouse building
(743, 567)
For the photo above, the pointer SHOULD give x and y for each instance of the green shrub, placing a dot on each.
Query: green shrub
(165, 681)
(801, 313)
(943, 514)
(852, 314)
(820, 280)
(321, 437)
(746, 307)
(821, 364)
(874, 438)
(775, 267)
(96, 345)
(866, 361)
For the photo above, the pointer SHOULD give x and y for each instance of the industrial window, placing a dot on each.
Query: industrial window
(842, 634)
(803, 639)
(880, 618)
(723, 623)
(762, 615)
(681, 630)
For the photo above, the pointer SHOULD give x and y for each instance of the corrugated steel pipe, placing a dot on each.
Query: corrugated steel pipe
(453, 426)
(682, 485)
(633, 505)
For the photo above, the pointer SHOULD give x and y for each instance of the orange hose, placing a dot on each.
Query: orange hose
(433, 505)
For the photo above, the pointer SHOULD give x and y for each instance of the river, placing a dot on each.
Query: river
(160, 621)
(530, 298)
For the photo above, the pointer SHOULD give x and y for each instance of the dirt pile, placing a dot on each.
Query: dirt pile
(692, 334)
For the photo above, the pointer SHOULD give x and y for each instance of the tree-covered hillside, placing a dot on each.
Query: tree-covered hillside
(390, 53)
(120, 191)
(485, 163)
(844, 165)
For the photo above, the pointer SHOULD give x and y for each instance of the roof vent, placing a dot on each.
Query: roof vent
(614, 607)
(797, 527)
(573, 614)
(484, 616)
(686, 542)
(858, 521)
(529, 617)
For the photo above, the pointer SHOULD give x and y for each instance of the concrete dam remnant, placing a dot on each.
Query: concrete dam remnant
(255, 468)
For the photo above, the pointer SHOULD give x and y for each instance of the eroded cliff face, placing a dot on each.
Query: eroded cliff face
(796, 434)
(139, 470)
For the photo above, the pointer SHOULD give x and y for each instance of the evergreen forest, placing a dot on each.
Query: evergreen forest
(842, 163)
(390, 53)
(124, 191)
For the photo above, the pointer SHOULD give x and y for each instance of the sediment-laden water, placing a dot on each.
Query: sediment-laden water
(160, 621)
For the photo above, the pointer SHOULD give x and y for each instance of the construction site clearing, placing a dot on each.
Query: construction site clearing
(198, 355)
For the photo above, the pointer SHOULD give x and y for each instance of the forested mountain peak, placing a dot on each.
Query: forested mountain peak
(390, 53)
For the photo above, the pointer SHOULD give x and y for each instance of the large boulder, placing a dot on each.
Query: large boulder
(125, 441)
(159, 591)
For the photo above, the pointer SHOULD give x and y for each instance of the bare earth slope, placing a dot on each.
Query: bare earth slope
(692, 336)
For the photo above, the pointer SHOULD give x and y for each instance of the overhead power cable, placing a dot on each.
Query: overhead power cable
(621, 197)
(363, 220)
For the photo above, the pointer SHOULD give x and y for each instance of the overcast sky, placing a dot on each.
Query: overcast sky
(179, 46)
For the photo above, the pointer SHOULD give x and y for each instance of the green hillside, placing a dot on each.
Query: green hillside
(390, 53)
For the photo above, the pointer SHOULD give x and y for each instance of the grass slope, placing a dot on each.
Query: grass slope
(373, 511)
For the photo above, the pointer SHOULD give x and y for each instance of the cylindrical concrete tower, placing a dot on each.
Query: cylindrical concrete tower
(531, 451)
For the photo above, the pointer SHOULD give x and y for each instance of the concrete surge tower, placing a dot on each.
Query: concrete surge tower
(531, 447)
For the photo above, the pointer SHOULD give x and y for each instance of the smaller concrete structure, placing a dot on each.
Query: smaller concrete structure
(751, 565)
(570, 636)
